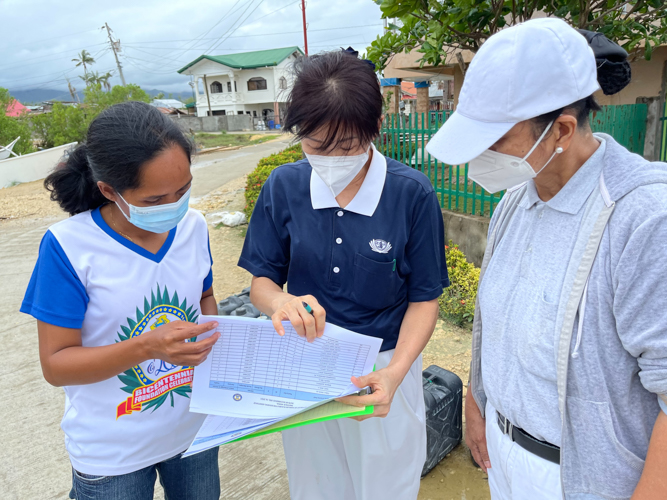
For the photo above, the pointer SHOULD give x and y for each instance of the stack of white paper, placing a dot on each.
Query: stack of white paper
(254, 377)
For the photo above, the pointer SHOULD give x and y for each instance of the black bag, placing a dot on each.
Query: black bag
(443, 396)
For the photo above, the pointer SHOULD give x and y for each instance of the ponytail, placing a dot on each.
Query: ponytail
(72, 185)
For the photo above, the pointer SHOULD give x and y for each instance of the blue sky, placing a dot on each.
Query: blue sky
(38, 38)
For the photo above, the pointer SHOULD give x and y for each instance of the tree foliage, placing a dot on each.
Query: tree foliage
(12, 127)
(65, 124)
(438, 27)
(84, 59)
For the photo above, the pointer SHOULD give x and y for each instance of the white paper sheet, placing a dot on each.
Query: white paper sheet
(253, 372)
(217, 430)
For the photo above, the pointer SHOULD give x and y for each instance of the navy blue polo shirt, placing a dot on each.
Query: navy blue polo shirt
(364, 263)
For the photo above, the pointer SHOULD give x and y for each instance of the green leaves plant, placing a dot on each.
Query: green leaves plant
(257, 177)
(457, 303)
(436, 26)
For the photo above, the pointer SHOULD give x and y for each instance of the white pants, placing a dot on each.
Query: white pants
(379, 458)
(517, 474)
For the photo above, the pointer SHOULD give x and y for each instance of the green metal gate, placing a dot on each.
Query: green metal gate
(404, 138)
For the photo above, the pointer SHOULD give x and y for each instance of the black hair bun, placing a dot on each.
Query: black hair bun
(614, 73)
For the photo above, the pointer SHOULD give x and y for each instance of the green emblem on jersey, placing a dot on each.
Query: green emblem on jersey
(152, 381)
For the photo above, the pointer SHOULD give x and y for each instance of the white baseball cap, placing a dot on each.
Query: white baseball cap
(519, 73)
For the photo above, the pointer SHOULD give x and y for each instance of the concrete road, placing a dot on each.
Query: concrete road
(212, 170)
(33, 461)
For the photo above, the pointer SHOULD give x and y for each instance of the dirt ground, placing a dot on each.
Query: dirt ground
(454, 478)
(29, 200)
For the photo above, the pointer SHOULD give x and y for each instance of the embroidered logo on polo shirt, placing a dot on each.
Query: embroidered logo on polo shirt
(380, 246)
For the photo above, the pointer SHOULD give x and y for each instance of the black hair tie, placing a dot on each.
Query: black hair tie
(614, 73)
(355, 53)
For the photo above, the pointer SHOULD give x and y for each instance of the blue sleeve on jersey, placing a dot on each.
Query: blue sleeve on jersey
(55, 294)
(208, 281)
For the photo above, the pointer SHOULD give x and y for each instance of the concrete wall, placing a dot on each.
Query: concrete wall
(468, 232)
(647, 80)
(229, 123)
(31, 167)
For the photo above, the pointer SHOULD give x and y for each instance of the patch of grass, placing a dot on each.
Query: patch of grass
(204, 140)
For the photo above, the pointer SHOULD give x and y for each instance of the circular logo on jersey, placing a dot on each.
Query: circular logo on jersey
(238, 397)
(154, 381)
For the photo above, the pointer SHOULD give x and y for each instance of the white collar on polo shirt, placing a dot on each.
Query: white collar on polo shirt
(365, 201)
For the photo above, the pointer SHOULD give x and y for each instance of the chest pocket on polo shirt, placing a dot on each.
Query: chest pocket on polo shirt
(375, 283)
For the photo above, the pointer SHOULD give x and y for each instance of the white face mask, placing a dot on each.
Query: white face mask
(497, 171)
(337, 171)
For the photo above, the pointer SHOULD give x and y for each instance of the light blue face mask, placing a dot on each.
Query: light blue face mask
(158, 218)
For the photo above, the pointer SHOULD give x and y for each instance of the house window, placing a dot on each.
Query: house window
(254, 113)
(216, 88)
(220, 112)
(235, 89)
(256, 83)
(282, 83)
(239, 112)
(229, 86)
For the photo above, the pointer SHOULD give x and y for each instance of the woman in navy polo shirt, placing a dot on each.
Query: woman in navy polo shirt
(359, 238)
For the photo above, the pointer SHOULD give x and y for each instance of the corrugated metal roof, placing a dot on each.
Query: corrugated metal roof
(249, 60)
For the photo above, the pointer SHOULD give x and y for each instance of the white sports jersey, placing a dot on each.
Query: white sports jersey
(89, 277)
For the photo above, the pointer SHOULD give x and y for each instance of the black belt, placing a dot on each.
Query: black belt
(542, 449)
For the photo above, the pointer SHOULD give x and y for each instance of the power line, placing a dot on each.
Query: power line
(215, 44)
(262, 34)
(212, 47)
(46, 39)
(211, 28)
(278, 9)
(46, 56)
(97, 54)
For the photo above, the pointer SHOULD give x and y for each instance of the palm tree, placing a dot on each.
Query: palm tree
(104, 80)
(72, 91)
(93, 78)
(84, 59)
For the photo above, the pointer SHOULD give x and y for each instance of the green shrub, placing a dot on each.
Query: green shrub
(257, 177)
(457, 303)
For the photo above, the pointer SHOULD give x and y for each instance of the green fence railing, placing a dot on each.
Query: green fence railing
(404, 138)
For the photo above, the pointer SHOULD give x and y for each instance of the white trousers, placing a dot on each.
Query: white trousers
(517, 474)
(379, 458)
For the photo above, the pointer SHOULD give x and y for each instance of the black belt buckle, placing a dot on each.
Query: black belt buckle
(542, 449)
(505, 425)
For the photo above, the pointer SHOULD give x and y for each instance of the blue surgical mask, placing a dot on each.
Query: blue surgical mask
(158, 218)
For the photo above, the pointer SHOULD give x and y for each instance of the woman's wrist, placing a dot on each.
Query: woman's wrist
(144, 347)
(398, 370)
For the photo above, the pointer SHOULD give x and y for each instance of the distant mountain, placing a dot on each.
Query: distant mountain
(35, 96)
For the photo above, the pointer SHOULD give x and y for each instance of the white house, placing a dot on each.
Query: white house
(253, 83)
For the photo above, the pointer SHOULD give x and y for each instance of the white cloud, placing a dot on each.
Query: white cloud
(39, 37)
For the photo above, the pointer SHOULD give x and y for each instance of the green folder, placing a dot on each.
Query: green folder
(328, 411)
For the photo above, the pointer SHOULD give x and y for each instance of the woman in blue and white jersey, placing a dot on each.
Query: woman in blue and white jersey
(116, 291)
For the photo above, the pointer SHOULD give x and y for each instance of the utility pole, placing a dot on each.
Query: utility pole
(305, 33)
(115, 47)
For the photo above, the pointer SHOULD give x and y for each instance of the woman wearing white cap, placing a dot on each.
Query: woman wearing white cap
(569, 369)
